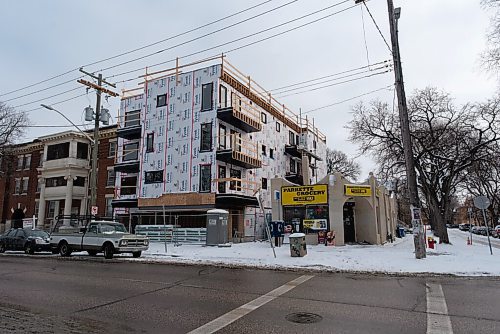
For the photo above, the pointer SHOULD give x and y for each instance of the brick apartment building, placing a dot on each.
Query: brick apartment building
(49, 177)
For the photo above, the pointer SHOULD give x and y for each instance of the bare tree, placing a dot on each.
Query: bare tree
(338, 161)
(446, 142)
(491, 55)
(12, 124)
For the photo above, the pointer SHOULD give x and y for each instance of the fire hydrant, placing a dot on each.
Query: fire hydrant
(431, 242)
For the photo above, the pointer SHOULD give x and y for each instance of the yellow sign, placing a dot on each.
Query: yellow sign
(357, 190)
(303, 195)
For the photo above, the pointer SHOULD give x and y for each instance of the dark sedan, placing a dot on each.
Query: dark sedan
(27, 240)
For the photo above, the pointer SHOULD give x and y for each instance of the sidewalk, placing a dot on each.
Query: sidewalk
(457, 258)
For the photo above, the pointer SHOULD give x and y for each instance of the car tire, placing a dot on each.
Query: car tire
(108, 250)
(136, 254)
(29, 249)
(2, 248)
(92, 253)
(64, 249)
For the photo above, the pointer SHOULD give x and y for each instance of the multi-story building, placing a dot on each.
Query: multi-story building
(48, 177)
(208, 138)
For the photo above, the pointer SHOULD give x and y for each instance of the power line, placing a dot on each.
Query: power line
(45, 98)
(59, 102)
(336, 77)
(248, 36)
(141, 48)
(364, 36)
(337, 83)
(376, 25)
(347, 100)
(53, 126)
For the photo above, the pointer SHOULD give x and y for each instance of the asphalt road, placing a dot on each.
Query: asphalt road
(53, 295)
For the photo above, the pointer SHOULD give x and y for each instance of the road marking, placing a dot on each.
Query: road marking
(438, 321)
(230, 317)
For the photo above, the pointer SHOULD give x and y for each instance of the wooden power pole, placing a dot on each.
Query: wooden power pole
(418, 231)
(99, 89)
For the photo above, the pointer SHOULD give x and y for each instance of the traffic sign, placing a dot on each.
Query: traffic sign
(482, 202)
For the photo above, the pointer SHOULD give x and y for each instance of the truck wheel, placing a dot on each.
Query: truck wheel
(2, 248)
(92, 253)
(108, 250)
(64, 249)
(136, 254)
(28, 249)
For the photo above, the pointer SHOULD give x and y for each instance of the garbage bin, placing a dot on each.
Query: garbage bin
(402, 232)
(298, 245)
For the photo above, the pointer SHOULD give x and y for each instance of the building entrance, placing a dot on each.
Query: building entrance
(349, 231)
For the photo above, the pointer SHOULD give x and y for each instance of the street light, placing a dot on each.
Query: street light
(76, 126)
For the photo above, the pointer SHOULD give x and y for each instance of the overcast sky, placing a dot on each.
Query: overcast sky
(440, 45)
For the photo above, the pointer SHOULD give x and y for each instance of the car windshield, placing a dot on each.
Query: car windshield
(113, 228)
(36, 233)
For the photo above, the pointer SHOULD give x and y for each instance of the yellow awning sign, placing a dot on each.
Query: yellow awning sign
(357, 190)
(303, 195)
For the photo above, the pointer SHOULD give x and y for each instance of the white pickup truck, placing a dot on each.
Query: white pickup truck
(98, 236)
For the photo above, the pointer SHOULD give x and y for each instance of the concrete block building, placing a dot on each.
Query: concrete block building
(198, 137)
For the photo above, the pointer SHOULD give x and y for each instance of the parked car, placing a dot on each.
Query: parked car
(452, 225)
(464, 227)
(475, 229)
(99, 236)
(27, 240)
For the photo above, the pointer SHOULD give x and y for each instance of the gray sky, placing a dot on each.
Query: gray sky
(440, 45)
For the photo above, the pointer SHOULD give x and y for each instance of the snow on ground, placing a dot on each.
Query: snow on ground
(457, 258)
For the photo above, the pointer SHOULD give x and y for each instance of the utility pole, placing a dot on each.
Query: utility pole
(95, 144)
(418, 230)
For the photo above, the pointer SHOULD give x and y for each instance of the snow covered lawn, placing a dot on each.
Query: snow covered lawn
(457, 258)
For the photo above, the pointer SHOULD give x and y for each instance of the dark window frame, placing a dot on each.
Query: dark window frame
(150, 142)
(82, 150)
(222, 137)
(222, 93)
(113, 145)
(154, 176)
(164, 102)
(271, 153)
(204, 105)
(201, 187)
(206, 146)
(58, 151)
(264, 183)
(278, 126)
(263, 117)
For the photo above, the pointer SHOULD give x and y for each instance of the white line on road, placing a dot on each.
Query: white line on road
(438, 321)
(230, 317)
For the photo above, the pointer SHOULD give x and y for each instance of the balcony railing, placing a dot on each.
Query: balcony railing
(233, 149)
(129, 125)
(241, 114)
(236, 185)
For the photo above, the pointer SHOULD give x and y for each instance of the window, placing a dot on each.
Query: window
(222, 137)
(161, 100)
(82, 151)
(153, 177)
(205, 178)
(206, 96)
(110, 180)
(38, 186)
(278, 127)
(79, 181)
(291, 138)
(24, 187)
(292, 166)
(130, 151)
(132, 118)
(264, 150)
(109, 207)
(27, 161)
(112, 149)
(263, 117)
(223, 97)
(20, 161)
(17, 188)
(222, 175)
(128, 185)
(55, 182)
(51, 209)
(58, 151)
(236, 174)
(264, 183)
(40, 162)
(271, 153)
(150, 142)
(206, 137)
(314, 144)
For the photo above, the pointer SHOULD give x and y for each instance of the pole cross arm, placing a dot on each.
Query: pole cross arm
(99, 88)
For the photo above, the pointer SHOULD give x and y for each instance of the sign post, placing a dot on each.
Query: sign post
(482, 202)
(469, 211)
